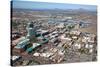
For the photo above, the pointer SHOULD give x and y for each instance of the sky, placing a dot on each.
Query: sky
(45, 5)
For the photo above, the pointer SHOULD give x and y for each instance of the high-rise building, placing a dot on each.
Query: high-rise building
(30, 30)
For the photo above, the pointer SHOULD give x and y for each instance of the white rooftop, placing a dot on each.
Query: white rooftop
(15, 57)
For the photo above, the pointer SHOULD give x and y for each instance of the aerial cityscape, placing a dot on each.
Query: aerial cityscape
(52, 33)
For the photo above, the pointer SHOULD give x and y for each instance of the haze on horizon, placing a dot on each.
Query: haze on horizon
(46, 5)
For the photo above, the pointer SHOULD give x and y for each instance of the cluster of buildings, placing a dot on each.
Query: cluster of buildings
(59, 37)
(54, 54)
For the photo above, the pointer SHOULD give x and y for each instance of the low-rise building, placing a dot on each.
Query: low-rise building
(90, 39)
(65, 38)
(75, 32)
(15, 58)
(21, 46)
